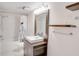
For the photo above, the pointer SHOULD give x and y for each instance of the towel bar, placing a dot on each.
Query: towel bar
(63, 33)
(63, 26)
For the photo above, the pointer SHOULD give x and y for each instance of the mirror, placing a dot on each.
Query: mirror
(41, 24)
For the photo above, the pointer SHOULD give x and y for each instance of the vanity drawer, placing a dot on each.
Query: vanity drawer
(39, 50)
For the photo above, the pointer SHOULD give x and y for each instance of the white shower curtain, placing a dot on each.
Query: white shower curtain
(22, 28)
(11, 46)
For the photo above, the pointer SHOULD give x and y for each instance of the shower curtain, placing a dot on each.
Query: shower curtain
(10, 45)
(22, 28)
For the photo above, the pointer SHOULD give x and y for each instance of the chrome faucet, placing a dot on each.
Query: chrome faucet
(40, 34)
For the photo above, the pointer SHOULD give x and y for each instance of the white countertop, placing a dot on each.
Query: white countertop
(34, 39)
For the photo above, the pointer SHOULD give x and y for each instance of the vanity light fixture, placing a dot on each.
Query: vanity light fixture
(42, 9)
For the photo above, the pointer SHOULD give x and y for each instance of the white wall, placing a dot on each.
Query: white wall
(31, 23)
(59, 44)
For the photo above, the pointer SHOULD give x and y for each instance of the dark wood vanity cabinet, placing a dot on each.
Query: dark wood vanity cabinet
(35, 49)
(40, 50)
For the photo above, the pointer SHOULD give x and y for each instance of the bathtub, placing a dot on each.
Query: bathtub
(12, 48)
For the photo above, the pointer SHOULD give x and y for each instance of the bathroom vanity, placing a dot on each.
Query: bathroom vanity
(35, 47)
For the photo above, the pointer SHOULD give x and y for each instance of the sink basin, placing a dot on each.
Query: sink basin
(34, 39)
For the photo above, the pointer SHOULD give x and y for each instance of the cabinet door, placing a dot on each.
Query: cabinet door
(63, 44)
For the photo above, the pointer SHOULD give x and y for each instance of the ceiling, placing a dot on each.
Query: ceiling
(19, 7)
(24, 7)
